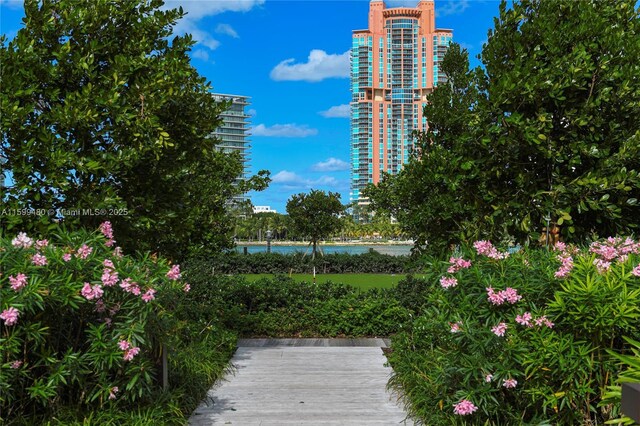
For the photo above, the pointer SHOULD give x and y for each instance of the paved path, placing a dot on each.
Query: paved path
(281, 382)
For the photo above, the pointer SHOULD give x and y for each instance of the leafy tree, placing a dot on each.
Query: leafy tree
(548, 131)
(315, 215)
(101, 110)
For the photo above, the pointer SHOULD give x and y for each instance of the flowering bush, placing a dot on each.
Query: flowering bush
(79, 322)
(521, 336)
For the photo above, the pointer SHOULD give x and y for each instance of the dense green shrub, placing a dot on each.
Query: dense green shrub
(522, 338)
(81, 325)
(277, 263)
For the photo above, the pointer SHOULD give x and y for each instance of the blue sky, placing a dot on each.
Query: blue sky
(291, 58)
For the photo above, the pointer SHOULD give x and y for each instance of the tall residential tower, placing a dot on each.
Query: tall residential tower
(394, 66)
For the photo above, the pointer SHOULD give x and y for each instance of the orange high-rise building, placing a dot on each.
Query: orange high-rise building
(394, 66)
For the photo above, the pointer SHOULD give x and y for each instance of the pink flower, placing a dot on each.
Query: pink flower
(464, 408)
(487, 249)
(447, 282)
(130, 286)
(100, 306)
(40, 244)
(130, 353)
(84, 251)
(123, 345)
(105, 228)
(112, 392)
(174, 273)
(19, 282)
(499, 329)
(66, 257)
(567, 265)
(560, 246)
(601, 265)
(455, 326)
(38, 259)
(458, 263)
(110, 242)
(524, 319)
(543, 320)
(16, 364)
(511, 295)
(108, 264)
(109, 277)
(510, 383)
(22, 241)
(186, 287)
(488, 378)
(149, 295)
(117, 252)
(10, 316)
(636, 271)
(495, 298)
(90, 293)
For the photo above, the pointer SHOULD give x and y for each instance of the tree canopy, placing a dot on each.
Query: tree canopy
(546, 134)
(102, 112)
(315, 215)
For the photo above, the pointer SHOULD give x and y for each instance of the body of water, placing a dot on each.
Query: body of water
(394, 250)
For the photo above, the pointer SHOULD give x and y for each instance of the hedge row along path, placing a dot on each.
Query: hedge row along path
(304, 382)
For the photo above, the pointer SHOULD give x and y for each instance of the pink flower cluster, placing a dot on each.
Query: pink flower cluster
(112, 392)
(567, 265)
(22, 241)
(527, 320)
(174, 273)
(10, 316)
(488, 378)
(487, 249)
(40, 244)
(18, 282)
(507, 295)
(129, 351)
(109, 275)
(458, 263)
(16, 364)
(186, 287)
(455, 326)
(464, 408)
(91, 292)
(500, 329)
(636, 271)
(510, 383)
(149, 295)
(602, 265)
(66, 257)
(447, 282)
(130, 286)
(107, 231)
(544, 320)
(84, 251)
(39, 260)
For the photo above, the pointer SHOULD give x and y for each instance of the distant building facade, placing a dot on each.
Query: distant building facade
(395, 64)
(234, 134)
(263, 209)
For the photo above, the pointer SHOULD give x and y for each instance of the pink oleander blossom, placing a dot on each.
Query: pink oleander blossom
(500, 329)
(488, 378)
(22, 241)
(510, 383)
(566, 267)
(493, 297)
(525, 319)
(90, 292)
(149, 295)
(10, 316)
(560, 246)
(100, 306)
(174, 273)
(18, 282)
(186, 288)
(124, 345)
(636, 271)
(16, 364)
(66, 257)
(110, 243)
(455, 326)
(601, 265)
(84, 251)
(130, 353)
(447, 282)
(511, 295)
(107, 263)
(487, 249)
(464, 408)
(106, 229)
(39, 260)
(109, 277)
(112, 392)
(117, 252)
(40, 244)
(543, 320)
(458, 263)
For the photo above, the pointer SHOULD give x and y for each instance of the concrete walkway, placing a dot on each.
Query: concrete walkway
(279, 382)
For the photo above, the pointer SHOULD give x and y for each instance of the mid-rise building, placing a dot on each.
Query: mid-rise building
(395, 64)
(234, 134)
(263, 209)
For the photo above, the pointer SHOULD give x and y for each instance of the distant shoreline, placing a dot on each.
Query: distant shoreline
(324, 244)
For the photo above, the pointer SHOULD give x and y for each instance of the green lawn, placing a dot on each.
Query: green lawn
(361, 281)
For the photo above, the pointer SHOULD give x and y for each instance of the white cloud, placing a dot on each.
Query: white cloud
(226, 29)
(452, 7)
(185, 26)
(201, 54)
(291, 180)
(319, 66)
(284, 131)
(331, 165)
(339, 111)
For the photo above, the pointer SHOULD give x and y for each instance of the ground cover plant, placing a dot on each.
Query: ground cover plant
(362, 282)
(82, 327)
(522, 338)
